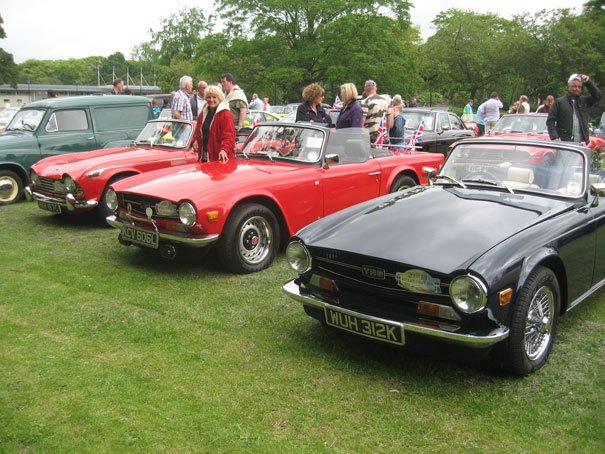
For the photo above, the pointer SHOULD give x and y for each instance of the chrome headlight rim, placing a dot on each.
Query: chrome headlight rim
(111, 199)
(69, 183)
(473, 284)
(298, 257)
(34, 178)
(187, 214)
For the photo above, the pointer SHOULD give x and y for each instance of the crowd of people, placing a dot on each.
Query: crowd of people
(567, 116)
(220, 111)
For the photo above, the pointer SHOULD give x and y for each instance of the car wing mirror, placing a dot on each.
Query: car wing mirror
(597, 190)
(332, 158)
(430, 171)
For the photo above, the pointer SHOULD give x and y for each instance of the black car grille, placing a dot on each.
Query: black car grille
(374, 273)
(48, 185)
(137, 205)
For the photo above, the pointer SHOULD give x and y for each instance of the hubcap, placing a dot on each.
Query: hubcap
(538, 325)
(8, 189)
(255, 240)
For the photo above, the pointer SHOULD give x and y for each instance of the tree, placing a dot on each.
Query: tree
(467, 56)
(178, 38)
(9, 71)
(304, 41)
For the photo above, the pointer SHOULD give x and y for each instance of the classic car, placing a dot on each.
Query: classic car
(259, 116)
(285, 177)
(486, 257)
(6, 115)
(78, 182)
(65, 125)
(441, 128)
(531, 126)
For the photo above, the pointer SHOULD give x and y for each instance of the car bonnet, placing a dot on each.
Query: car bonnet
(435, 228)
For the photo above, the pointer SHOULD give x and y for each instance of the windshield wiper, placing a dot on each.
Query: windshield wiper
(451, 179)
(265, 153)
(491, 183)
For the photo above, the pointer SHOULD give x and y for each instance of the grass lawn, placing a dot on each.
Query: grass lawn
(105, 348)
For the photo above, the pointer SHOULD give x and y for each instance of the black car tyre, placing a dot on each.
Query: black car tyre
(12, 195)
(402, 182)
(534, 323)
(250, 239)
(102, 209)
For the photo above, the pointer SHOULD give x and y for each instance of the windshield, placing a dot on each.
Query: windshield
(527, 124)
(294, 143)
(547, 170)
(26, 120)
(171, 134)
(413, 120)
(7, 114)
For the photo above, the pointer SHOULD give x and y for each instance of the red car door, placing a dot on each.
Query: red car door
(346, 184)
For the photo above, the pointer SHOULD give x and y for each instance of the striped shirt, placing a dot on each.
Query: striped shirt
(374, 107)
(182, 104)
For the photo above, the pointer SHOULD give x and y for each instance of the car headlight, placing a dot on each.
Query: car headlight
(111, 199)
(70, 184)
(298, 257)
(35, 179)
(166, 209)
(187, 214)
(468, 294)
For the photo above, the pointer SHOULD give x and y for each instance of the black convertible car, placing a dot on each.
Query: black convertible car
(488, 256)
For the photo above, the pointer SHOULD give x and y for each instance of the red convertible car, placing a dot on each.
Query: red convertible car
(285, 177)
(78, 181)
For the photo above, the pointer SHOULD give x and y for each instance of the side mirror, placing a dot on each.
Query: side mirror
(332, 158)
(597, 190)
(430, 171)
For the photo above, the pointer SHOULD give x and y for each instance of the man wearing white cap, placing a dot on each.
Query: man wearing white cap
(374, 107)
(568, 116)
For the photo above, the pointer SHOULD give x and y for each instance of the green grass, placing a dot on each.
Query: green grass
(105, 348)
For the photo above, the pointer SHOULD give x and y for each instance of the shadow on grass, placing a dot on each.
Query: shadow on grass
(187, 260)
(422, 359)
(73, 221)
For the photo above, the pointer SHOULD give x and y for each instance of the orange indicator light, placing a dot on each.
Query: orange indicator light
(428, 309)
(506, 296)
(212, 216)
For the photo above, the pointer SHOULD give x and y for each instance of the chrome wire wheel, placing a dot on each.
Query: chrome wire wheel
(539, 323)
(533, 326)
(255, 240)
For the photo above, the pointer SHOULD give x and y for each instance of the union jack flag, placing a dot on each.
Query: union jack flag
(256, 120)
(417, 136)
(383, 131)
(338, 104)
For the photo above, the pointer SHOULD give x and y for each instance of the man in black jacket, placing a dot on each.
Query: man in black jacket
(568, 116)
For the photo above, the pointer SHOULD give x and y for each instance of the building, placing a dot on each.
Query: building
(26, 93)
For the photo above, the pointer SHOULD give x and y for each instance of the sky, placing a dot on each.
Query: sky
(63, 29)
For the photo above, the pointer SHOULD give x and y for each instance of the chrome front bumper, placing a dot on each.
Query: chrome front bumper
(69, 202)
(201, 241)
(292, 289)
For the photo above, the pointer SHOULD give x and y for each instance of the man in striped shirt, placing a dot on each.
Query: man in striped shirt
(374, 107)
(181, 103)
